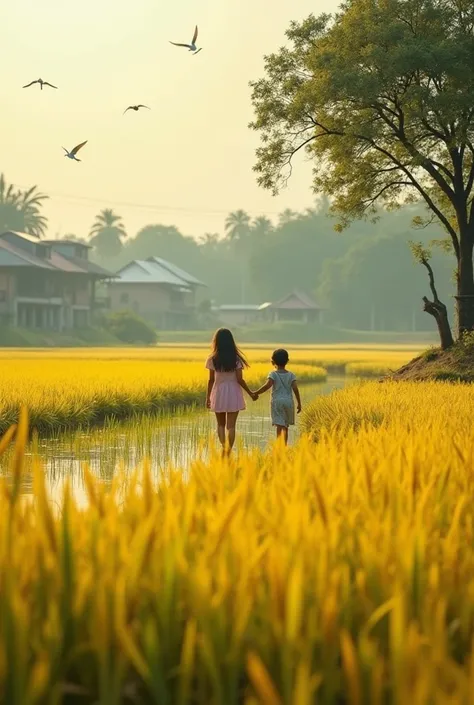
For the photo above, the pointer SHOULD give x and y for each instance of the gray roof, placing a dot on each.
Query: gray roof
(15, 256)
(24, 236)
(90, 267)
(297, 300)
(154, 271)
(188, 278)
(66, 241)
(11, 256)
(239, 307)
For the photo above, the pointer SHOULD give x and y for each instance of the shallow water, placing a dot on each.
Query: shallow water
(175, 440)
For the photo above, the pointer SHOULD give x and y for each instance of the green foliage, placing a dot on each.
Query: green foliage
(380, 97)
(21, 210)
(25, 338)
(431, 354)
(130, 328)
(107, 233)
(376, 283)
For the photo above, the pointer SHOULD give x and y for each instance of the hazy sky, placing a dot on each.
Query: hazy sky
(189, 160)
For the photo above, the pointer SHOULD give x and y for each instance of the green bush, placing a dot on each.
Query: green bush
(130, 328)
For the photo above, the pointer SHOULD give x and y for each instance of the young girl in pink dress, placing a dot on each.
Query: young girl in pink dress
(226, 364)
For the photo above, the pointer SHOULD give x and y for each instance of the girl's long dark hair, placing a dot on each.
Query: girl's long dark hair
(225, 352)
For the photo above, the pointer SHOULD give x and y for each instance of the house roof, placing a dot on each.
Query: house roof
(15, 256)
(185, 276)
(296, 301)
(155, 271)
(11, 256)
(24, 236)
(66, 241)
(239, 307)
(90, 267)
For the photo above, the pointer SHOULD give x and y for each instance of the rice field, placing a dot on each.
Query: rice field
(67, 392)
(332, 573)
(69, 388)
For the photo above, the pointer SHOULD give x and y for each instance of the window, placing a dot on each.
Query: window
(124, 298)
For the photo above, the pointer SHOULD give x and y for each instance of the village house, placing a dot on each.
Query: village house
(297, 306)
(46, 284)
(240, 314)
(158, 291)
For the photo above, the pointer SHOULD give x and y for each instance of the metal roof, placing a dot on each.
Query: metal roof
(188, 278)
(24, 236)
(15, 256)
(89, 267)
(239, 307)
(148, 271)
(297, 300)
(65, 241)
(20, 258)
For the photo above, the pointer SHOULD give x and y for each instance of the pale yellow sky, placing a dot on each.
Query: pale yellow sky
(189, 159)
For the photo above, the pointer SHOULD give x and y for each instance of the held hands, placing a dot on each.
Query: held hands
(254, 396)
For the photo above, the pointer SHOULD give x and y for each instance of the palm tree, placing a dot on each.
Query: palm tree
(262, 226)
(237, 226)
(21, 210)
(210, 241)
(287, 216)
(107, 233)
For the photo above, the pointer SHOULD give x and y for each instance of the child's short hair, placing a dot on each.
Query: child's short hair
(280, 357)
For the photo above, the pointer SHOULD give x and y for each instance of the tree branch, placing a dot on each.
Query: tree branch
(428, 266)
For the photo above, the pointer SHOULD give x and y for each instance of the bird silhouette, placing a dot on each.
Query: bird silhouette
(73, 152)
(192, 47)
(136, 107)
(41, 83)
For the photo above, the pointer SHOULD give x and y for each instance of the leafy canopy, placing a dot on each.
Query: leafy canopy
(381, 97)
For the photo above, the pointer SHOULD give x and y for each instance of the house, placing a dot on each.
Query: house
(240, 314)
(297, 306)
(46, 284)
(162, 293)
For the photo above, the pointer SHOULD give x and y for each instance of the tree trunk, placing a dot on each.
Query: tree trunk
(437, 309)
(440, 313)
(465, 288)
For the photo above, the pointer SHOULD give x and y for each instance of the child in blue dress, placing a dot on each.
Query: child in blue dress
(283, 384)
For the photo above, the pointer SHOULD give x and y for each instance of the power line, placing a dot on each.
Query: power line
(149, 207)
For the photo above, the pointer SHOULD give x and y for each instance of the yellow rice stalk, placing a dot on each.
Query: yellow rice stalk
(261, 681)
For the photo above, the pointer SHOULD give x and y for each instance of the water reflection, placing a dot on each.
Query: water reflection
(166, 441)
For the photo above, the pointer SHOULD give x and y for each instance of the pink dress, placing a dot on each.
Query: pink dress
(226, 394)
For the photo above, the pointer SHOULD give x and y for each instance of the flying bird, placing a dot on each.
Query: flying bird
(73, 152)
(136, 107)
(41, 82)
(192, 47)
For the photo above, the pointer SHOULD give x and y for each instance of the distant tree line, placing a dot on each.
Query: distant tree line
(365, 276)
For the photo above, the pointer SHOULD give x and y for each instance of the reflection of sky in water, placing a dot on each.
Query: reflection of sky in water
(165, 441)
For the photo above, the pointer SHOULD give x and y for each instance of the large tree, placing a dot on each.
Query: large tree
(107, 233)
(381, 97)
(21, 210)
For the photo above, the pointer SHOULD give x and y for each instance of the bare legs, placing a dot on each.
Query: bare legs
(283, 431)
(226, 421)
